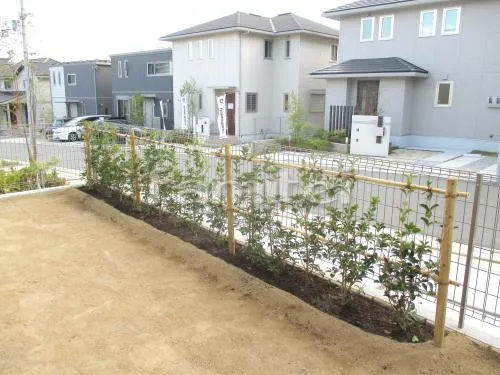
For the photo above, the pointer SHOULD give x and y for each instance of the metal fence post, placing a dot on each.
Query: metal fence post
(470, 250)
(229, 200)
(445, 260)
(135, 170)
(88, 150)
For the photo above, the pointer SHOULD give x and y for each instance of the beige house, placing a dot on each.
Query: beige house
(13, 81)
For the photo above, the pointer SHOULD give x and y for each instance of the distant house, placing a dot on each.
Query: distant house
(432, 66)
(13, 91)
(257, 63)
(149, 75)
(81, 88)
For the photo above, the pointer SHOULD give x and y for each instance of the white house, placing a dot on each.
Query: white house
(257, 63)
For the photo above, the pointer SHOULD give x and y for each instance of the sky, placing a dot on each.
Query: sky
(68, 30)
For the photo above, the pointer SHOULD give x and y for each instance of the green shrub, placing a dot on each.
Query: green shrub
(29, 178)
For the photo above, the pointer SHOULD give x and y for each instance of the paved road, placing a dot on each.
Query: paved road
(70, 155)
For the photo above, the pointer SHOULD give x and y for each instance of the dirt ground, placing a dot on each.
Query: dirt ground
(85, 289)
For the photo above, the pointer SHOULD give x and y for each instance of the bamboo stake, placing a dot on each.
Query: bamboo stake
(88, 163)
(135, 172)
(444, 261)
(229, 200)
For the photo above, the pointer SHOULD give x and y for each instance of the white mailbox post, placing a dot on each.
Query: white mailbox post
(370, 135)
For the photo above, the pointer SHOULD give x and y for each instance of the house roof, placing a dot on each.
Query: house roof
(148, 52)
(10, 96)
(387, 66)
(77, 62)
(361, 6)
(281, 24)
(40, 66)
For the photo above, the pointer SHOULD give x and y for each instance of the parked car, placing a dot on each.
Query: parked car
(73, 130)
(58, 122)
(122, 128)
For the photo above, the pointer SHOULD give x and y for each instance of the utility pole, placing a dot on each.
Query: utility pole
(29, 104)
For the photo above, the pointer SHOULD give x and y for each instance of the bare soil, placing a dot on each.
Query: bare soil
(86, 289)
(362, 311)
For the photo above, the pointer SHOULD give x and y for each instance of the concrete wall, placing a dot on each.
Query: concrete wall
(58, 92)
(471, 59)
(221, 71)
(315, 54)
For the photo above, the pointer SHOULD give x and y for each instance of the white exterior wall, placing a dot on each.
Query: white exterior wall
(209, 73)
(315, 54)
(58, 93)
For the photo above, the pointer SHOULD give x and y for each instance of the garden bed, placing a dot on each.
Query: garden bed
(366, 313)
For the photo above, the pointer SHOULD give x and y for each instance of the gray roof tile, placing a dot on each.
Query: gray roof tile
(371, 66)
(282, 23)
(365, 4)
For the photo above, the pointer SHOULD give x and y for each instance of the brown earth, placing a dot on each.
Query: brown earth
(85, 289)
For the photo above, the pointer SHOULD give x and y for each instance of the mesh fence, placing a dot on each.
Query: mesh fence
(31, 160)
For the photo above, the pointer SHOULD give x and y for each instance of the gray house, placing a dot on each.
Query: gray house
(433, 66)
(81, 88)
(148, 74)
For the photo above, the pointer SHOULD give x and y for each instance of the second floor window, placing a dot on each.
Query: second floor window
(120, 69)
(367, 29)
(71, 79)
(268, 49)
(251, 104)
(160, 68)
(54, 78)
(211, 53)
(59, 78)
(287, 48)
(334, 51)
(125, 68)
(427, 23)
(451, 21)
(386, 27)
(286, 102)
(202, 54)
(7, 84)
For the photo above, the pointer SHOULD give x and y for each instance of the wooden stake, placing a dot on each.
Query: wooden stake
(88, 162)
(135, 170)
(229, 200)
(444, 261)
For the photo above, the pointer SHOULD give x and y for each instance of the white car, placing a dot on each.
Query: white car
(73, 130)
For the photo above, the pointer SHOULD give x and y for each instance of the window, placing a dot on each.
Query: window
(211, 54)
(444, 94)
(268, 49)
(200, 43)
(53, 78)
(120, 71)
(160, 68)
(59, 78)
(287, 48)
(251, 102)
(125, 68)
(334, 50)
(200, 101)
(451, 21)
(123, 108)
(165, 109)
(427, 23)
(71, 78)
(317, 102)
(386, 27)
(190, 50)
(367, 27)
(286, 102)
(7, 84)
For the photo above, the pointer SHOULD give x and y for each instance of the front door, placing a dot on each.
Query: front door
(149, 107)
(73, 110)
(230, 113)
(367, 98)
